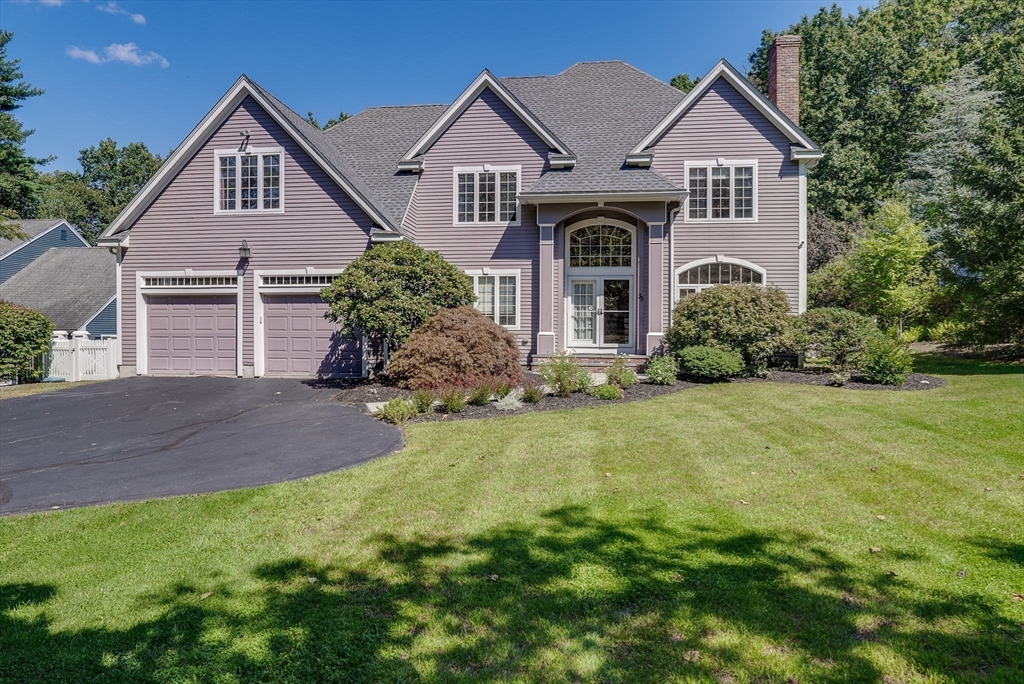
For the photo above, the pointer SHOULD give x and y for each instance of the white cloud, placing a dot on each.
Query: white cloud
(128, 53)
(115, 9)
(52, 3)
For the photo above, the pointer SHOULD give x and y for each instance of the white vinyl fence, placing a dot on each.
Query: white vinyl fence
(80, 358)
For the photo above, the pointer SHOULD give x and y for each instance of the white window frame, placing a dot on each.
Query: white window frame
(604, 270)
(476, 171)
(721, 162)
(719, 259)
(496, 274)
(238, 153)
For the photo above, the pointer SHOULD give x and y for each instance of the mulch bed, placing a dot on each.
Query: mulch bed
(807, 376)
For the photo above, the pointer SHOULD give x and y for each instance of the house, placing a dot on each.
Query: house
(75, 288)
(40, 235)
(583, 205)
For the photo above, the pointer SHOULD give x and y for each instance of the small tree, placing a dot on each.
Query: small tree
(389, 290)
(24, 335)
(832, 333)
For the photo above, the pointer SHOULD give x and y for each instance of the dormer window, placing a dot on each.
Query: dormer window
(249, 181)
(486, 195)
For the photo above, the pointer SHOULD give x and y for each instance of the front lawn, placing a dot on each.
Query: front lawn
(748, 532)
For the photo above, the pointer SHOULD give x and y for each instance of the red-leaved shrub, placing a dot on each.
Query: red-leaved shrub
(459, 347)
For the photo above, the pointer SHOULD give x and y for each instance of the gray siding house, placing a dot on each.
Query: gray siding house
(583, 205)
(40, 235)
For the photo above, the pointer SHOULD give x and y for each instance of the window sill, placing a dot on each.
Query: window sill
(246, 212)
(494, 224)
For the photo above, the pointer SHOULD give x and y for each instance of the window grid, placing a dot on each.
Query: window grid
(271, 181)
(698, 193)
(249, 181)
(700, 277)
(191, 281)
(508, 195)
(485, 295)
(506, 300)
(467, 212)
(720, 192)
(487, 197)
(497, 297)
(227, 183)
(729, 195)
(299, 280)
(743, 197)
(608, 246)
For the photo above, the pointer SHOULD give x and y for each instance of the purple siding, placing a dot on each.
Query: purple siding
(724, 124)
(321, 226)
(488, 132)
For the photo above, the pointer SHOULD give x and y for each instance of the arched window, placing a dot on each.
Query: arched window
(600, 245)
(693, 278)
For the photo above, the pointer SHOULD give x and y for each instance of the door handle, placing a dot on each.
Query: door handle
(600, 312)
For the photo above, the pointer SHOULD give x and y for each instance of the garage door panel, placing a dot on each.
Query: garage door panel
(192, 335)
(300, 342)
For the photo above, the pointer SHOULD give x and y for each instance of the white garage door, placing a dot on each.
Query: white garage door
(192, 335)
(301, 342)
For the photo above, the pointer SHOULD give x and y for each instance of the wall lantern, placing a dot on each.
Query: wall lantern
(244, 252)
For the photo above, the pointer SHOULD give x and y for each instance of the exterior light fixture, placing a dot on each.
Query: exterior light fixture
(244, 252)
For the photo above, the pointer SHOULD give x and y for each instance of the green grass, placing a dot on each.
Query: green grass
(718, 534)
(28, 389)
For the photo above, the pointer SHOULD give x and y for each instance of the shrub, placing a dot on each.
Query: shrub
(564, 376)
(621, 374)
(533, 392)
(948, 331)
(456, 347)
(424, 401)
(24, 335)
(607, 391)
(503, 389)
(710, 364)
(452, 399)
(389, 290)
(832, 333)
(749, 319)
(838, 379)
(397, 410)
(662, 370)
(509, 402)
(885, 361)
(480, 395)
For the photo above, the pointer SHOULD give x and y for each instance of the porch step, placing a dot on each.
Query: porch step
(595, 362)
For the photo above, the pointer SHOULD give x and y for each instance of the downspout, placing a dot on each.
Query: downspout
(672, 262)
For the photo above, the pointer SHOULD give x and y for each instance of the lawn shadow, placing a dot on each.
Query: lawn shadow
(571, 597)
(945, 364)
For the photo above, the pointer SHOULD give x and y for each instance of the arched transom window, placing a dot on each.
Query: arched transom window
(701, 276)
(600, 245)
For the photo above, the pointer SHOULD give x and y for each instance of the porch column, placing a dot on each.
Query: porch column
(655, 285)
(546, 296)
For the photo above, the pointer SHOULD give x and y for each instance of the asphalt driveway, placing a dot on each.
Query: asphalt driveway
(141, 438)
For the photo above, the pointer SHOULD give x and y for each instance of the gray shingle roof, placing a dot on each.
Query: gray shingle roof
(30, 228)
(601, 110)
(372, 143)
(68, 285)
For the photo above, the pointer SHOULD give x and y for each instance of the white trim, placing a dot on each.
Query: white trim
(485, 80)
(142, 308)
(598, 196)
(120, 306)
(184, 153)
(49, 230)
(474, 273)
(717, 259)
(721, 162)
(476, 171)
(801, 297)
(583, 271)
(727, 71)
(98, 312)
(598, 347)
(242, 152)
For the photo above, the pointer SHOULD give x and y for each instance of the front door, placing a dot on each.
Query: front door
(600, 313)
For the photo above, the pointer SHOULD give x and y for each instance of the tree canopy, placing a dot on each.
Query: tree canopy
(311, 118)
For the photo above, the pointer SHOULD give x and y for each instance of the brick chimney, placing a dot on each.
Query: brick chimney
(784, 75)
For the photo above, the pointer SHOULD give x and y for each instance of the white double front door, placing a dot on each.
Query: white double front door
(600, 315)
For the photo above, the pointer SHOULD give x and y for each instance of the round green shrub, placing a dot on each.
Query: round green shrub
(662, 370)
(456, 347)
(832, 333)
(750, 319)
(885, 361)
(710, 364)
(564, 375)
(608, 391)
(24, 335)
(397, 410)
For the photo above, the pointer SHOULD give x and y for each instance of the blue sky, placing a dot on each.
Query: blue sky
(149, 71)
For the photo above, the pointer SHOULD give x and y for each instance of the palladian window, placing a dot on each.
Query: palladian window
(600, 246)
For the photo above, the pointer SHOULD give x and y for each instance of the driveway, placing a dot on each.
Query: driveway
(141, 438)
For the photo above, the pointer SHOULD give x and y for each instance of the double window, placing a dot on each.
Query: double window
(721, 191)
(497, 296)
(250, 180)
(487, 195)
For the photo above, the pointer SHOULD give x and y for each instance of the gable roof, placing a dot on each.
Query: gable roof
(68, 285)
(485, 80)
(34, 228)
(601, 109)
(727, 71)
(308, 137)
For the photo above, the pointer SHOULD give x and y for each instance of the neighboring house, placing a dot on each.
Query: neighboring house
(583, 205)
(40, 236)
(76, 289)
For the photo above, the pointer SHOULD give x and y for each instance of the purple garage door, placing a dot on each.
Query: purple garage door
(192, 335)
(301, 342)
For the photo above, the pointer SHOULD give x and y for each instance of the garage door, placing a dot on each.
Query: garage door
(301, 342)
(192, 335)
